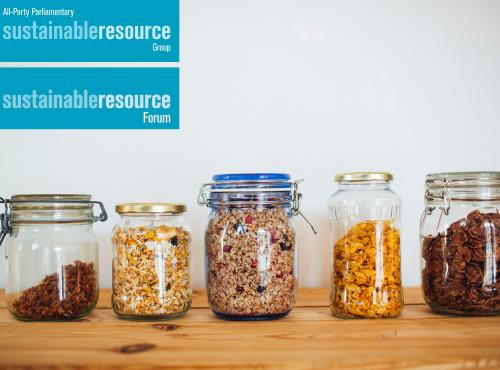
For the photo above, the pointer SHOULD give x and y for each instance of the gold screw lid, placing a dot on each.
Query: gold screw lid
(363, 176)
(168, 208)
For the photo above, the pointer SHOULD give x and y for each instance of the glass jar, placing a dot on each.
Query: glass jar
(251, 248)
(52, 256)
(151, 261)
(460, 241)
(365, 239)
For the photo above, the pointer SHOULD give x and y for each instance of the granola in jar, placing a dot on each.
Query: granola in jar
(251, 262)
(251, 248)
(151, 266)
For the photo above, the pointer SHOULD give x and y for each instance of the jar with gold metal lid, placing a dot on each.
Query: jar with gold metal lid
(52, 255)
(151, 261)
(364, 220)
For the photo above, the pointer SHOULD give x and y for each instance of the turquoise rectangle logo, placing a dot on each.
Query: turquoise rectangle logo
(90, 30)
(89, 98)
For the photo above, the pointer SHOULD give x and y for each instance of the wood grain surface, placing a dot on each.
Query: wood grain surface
(310, 337)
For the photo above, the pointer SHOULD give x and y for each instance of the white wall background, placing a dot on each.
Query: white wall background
(306, 87)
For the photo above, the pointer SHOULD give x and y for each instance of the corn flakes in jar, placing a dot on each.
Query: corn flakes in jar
(366, 258)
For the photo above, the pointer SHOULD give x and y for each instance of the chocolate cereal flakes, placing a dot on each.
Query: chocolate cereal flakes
(462, 266)
(70, 294)
(366, 272)
(251, 262)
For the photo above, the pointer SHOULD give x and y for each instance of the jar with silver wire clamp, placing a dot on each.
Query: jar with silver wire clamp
(251, 245)
(460, 241)
(52, 255)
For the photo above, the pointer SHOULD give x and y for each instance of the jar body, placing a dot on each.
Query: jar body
(251, 262)
(151, 267)
(52, 271)
(461, 257)
(365, 239)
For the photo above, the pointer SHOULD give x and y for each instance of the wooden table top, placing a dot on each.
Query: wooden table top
(310, 337)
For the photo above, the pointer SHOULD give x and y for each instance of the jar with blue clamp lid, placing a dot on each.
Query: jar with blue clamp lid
(251, 245)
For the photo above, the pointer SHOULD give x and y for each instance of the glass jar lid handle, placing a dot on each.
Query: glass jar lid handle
(5, 228)
(103, 216)
(444, 195)
(297, 196)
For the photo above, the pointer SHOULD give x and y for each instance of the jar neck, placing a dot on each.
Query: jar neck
(228, 206)
(366, 185)
(51, 227)
(473, 187)
(151, 216)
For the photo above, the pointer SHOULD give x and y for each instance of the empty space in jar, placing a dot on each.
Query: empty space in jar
(251, 257)
(151, 270)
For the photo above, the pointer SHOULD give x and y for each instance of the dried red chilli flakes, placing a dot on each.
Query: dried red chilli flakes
(456, 263)
(43, 301)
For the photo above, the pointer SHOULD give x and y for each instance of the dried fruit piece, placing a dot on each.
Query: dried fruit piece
(261, 289)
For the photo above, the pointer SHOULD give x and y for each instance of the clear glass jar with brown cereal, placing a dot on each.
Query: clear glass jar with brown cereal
(460, 241)
(364, 220)
(251, 248)
(52, 255)
(151, 261)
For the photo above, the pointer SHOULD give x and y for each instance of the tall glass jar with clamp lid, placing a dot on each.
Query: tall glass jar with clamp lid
(251, 245)
(460, 240)
(52, 255)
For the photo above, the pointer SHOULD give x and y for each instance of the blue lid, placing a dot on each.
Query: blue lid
(251, 177)
(251, 188)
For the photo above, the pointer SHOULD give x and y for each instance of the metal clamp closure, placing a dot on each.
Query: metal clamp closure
(5, 228)
(6, 216)
(443, 195)
(207, 188)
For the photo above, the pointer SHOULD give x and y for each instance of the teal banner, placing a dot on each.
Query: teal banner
(90, 30)
(89, 98)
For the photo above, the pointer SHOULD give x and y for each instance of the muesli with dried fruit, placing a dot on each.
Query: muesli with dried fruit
(251, 262)
(151, 271)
